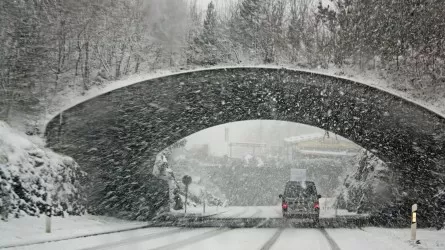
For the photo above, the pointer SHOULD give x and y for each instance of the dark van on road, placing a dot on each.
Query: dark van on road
(300, 199)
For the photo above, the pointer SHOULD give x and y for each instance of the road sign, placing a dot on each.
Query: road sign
(186, 180)
(297, 174)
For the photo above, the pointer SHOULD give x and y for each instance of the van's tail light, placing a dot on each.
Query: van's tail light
(284, 205)
(317, 205)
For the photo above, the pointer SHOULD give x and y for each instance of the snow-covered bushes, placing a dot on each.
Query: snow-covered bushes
(370, 187)
(374, 188)
(33, 176)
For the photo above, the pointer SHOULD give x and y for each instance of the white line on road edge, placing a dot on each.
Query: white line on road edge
(36, 242)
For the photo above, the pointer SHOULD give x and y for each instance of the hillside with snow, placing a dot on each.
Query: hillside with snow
(34, 177)
(368, 186)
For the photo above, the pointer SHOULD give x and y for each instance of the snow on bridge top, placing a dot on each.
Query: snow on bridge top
(71, 100)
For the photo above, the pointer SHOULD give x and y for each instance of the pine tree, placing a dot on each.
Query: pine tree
(206, 47)
(210, 22)
(247, 23)
(271, 35)
(294, 32)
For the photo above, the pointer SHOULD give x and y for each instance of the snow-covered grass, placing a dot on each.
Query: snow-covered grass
(428, 238)
(32, 229)
(396, 238)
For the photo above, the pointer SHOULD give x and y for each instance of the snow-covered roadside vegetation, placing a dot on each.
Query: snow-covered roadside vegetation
(369, 183)
(33, 177)
(371, 187)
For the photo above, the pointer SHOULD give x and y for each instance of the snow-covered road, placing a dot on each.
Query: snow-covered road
(254, 238)
(96, 233)
(250, 212)
(327, 210)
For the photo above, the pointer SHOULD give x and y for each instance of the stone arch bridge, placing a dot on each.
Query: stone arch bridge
(121, 132)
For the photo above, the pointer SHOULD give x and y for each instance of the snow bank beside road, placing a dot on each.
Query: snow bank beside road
(428, 238)
(32, 229)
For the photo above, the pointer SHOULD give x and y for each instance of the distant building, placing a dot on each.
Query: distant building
(241, 149)
(319, 145)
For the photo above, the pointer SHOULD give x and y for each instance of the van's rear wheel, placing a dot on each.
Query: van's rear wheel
(316, 219)
(317, 216)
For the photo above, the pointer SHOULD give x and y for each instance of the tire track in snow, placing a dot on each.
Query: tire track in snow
(192, 240)
(268, 245)
(331, 241)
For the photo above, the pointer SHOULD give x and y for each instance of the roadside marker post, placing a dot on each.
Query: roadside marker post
(413, 221)
(48, 219)
(203, 197)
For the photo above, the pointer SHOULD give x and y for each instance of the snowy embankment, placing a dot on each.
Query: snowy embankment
(33, 177)
(368, 188)
(370, 78)
(386, 238)
(30, 230)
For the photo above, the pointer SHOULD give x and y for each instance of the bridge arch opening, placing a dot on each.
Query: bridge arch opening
(243, 166)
